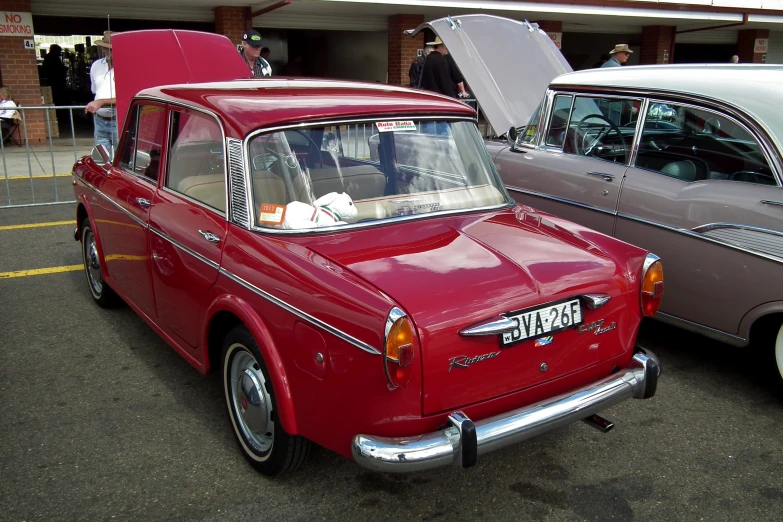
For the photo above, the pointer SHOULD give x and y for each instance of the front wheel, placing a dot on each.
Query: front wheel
(252, 408)
(102, 294)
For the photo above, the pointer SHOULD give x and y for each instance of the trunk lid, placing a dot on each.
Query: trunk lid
(451, 273)
(507, 64)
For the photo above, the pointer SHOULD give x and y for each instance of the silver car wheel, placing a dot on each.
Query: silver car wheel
(92, 264)
(250, 400)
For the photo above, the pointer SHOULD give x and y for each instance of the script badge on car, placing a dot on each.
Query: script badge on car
(545, 319)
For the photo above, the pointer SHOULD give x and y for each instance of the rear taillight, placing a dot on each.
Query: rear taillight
(398, 349)
(652, 285)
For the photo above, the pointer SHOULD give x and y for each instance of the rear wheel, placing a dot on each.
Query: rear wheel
(252, 408)
(103, 295)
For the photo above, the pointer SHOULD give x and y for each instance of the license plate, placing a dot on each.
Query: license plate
(543, 320)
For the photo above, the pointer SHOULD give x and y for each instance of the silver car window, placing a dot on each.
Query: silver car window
(694, 144)
(598, 127)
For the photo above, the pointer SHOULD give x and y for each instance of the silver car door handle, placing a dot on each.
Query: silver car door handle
(776, 203)
(607, 177)
(209, 236)
(143, 202)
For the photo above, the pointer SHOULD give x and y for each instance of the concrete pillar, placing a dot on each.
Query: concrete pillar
(232, 22)
(402, 48)
(19, 70)
(657, 44)
(746, 45)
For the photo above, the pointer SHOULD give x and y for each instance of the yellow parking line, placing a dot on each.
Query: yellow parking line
(41, 271)
(37, 176)
(36, 225)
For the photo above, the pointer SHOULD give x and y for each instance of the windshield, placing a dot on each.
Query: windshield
(352, 173)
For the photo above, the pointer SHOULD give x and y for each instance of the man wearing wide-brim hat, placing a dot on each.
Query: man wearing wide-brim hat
(620, 55)
(103, 107)
(440, 74)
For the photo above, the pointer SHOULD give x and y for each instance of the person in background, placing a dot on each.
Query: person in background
(620, 55)
(414, 73)
(56, 74)
(103, 107)
(7, 109)
(251, 52)
(439, 75)
(734, 59)
(265, 52)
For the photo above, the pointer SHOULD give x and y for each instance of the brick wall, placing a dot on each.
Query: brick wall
(403, 48)
(657, 44)
(746, 41)
(232, 22)
(19, 70)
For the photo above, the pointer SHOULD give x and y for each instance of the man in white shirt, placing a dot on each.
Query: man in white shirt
(103, 107)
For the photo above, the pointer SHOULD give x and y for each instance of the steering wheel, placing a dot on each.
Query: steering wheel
(587, 150)
(315, 147)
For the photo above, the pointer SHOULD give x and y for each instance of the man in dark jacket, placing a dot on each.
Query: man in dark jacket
(440, 74)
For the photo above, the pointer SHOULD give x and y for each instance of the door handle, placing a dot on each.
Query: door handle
(776, 203)
(607, 177)
(143, 202)
(209, 236)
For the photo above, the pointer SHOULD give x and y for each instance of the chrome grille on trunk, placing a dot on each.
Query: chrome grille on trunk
(236, 168)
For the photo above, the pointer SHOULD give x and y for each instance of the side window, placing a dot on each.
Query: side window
(561, 110)
(144, 140)
(693, 144)
(602, 128)
(196, 165)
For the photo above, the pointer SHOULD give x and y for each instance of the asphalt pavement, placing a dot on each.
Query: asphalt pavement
(101, 420)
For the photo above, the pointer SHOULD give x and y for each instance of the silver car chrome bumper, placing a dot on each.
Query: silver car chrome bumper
(463, 441)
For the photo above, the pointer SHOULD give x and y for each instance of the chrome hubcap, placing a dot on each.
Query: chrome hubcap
(251, 402)
(91, 263)
(779, 351)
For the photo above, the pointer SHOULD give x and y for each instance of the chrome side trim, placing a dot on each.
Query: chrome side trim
(706, 331)
(717, 226)
(492, 326)
(768, 202)
(117, 205)
(702, 237)
(302, 315)
(238, 193)
(561, 200)
(182, 247)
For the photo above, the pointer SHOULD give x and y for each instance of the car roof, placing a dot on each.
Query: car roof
(246, 105)
(754, 89)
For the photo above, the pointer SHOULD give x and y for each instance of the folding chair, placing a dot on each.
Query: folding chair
(10, 132)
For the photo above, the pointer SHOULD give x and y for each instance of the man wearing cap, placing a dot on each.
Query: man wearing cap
(251, 52)
(102, 108)
(620, 55)
(438, 74)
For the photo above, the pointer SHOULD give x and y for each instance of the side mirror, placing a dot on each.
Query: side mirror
(100, 155)
(511, 137)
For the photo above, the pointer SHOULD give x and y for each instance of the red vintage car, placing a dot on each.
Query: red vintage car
(409, 315)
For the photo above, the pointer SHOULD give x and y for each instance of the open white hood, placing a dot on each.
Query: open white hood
(507, 64)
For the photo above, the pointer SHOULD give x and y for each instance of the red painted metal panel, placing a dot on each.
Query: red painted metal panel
(144, 59)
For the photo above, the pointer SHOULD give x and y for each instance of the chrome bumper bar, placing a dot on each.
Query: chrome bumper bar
(462, 442)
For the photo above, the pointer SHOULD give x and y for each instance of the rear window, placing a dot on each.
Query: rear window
(334, 175)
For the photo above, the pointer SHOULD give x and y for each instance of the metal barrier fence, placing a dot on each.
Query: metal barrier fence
(28, 179)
